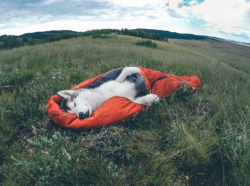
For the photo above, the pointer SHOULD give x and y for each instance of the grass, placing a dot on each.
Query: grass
(189, 138)
(235, 55)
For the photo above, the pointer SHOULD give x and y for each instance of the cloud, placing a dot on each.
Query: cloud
(227, 16)
(210, 17)
(19, 17)
(16, 12)
(51, 10)
(173, 13)
(192, 3)
(224, 16)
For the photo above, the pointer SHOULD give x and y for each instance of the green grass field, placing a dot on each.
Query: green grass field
(233, 54)
(200, 138)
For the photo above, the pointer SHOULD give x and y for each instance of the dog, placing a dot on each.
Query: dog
(83, 102)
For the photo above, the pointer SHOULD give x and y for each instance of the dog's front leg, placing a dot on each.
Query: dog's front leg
(147, 100)
(127, 71)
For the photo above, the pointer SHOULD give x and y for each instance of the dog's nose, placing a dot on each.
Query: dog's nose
(81, 115)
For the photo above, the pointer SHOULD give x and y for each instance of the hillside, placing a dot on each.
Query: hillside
(9, 41)
(190, 138)
(174, 35)
(41, 35)
(234, 54)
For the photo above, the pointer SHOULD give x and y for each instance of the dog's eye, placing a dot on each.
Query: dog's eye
(74, 104)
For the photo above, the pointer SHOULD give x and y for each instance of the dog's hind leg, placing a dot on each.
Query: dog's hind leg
(127, 71)
(147, 100)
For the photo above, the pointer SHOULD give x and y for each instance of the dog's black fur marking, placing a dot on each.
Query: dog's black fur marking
(112, 75)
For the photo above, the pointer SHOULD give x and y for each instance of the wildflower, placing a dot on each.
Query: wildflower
(45, 152)
(109, 168)
(157, 153)
(115, 175)
(83, 139)
(53, 77)
(14, 158)
(66, 154)
(55, 135)
(34, 130)
(57, 163)
(41, 169)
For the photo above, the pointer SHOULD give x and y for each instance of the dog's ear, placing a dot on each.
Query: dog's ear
(66, 93)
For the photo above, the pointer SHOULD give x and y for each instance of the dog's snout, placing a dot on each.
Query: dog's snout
(83, 116)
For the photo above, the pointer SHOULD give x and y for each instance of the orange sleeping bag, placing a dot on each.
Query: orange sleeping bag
(117, 109)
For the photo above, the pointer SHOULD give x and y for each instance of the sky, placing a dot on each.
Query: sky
(227, 19)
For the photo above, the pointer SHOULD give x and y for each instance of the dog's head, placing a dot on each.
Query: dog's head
(75, 103)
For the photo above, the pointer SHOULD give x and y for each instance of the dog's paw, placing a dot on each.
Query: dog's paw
(151, 99)
(131, 70)
(127, 71)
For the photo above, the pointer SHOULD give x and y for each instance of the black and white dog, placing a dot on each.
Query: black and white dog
(124, 82)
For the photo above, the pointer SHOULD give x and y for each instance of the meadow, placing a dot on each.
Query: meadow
(233, 54)
(189, 138)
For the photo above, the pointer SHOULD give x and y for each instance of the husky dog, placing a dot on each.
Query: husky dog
(83, 102)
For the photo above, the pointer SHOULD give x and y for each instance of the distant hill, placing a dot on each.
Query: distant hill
(174, 35)
(42, 35)
(55, 35)
(166, 34)
(11, 41)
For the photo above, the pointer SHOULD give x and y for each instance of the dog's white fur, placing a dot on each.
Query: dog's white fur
(83, 102)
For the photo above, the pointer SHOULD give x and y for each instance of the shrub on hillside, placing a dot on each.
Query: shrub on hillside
(142, 34)
(147, 43)
(101, 36)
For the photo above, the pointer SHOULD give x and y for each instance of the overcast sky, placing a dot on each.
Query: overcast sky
(229, 19)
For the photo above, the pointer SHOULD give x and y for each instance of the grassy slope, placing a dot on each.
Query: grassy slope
(235, 55)
(197, 138)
